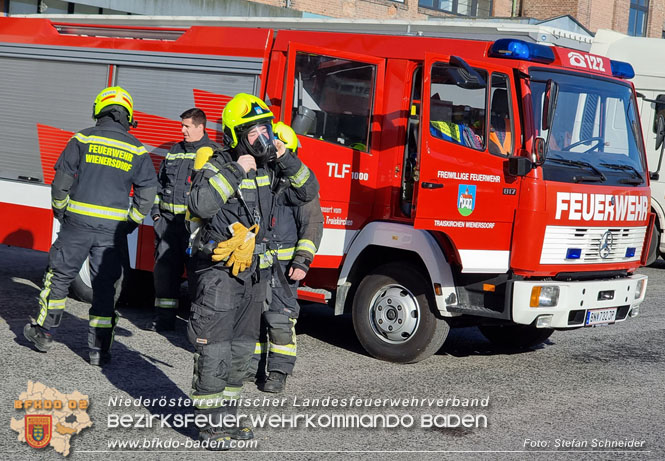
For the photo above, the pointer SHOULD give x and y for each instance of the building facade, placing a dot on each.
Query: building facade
(642, 18)
(632, 17)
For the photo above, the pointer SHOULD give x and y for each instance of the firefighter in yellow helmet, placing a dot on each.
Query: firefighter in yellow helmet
(297, 234)
(232, 197)
(90, 194)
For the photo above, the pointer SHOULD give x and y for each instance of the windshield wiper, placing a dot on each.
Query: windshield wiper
(564, 161)
(618, 166)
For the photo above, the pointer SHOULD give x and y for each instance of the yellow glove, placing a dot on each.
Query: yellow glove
(225, 248)
(241, 258)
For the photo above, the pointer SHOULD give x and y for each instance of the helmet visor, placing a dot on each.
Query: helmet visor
(259, 139)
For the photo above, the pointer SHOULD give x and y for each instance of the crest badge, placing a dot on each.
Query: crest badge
(466, 199)
(38, 430)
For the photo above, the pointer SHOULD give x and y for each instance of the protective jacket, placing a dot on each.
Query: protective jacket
(175, 176)
(296, 230)
(222, 194)
(94, 176)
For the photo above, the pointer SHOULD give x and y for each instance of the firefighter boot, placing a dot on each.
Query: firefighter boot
(239, 433)
(99, 358)
(214, 441)
(99, 344)
(164, 320)
(275, 383)
(41, 338)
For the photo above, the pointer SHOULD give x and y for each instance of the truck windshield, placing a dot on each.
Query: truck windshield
(595, 135)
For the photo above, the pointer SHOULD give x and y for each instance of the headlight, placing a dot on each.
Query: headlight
(641, 285)
(544, 296)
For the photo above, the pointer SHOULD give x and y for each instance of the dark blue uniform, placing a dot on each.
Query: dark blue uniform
(90, 195)
(225, 313)
(171, 235)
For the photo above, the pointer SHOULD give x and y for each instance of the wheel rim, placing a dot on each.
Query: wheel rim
(394, 314)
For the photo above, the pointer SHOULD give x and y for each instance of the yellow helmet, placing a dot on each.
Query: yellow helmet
(113, 95)
(241, 113)
(286, 134)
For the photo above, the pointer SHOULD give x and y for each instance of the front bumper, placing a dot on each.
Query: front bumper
(575, 299)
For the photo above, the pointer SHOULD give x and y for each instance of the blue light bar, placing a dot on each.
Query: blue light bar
(511, 48)
(573, 253)
(630, 252)
(622, 69)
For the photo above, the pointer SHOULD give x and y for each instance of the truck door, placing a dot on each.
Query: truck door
(468, 129)
(331, 100)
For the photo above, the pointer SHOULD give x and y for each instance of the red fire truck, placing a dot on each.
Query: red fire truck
(498, 183)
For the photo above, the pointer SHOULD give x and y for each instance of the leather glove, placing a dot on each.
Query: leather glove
(241, 258)
(225, 248)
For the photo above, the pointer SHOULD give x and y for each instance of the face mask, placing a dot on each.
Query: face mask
(262, 148)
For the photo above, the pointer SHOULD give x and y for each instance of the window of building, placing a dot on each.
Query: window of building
(333, 99)
(23, 7)
(473, 8)
(637, 18)
(458, 106)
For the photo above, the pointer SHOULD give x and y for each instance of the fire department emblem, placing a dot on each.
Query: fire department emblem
(38, 430)
(466, 199)
(606, 244)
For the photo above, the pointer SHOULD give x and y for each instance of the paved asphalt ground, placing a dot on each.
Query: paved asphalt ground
(583, 388)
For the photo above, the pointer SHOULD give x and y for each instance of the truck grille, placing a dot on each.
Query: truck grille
(559, 239)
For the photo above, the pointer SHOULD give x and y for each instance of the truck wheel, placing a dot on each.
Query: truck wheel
(81, 288)
(393, 315)
(655, 244)
(515, 336)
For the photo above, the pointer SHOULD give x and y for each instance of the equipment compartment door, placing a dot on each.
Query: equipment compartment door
(468, 131)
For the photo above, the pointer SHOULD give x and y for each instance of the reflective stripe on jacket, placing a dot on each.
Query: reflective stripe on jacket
(175, 176)
(105, 161)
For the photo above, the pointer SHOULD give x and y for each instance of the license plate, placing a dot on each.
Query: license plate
(599, 316)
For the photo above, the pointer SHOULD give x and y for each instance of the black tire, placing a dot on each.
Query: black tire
(655, 244)
(81, 288)
(515, 336)
(397, 296)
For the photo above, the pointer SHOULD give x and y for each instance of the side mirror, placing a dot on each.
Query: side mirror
(549, 103)
(660, 131)
(468, 77)
(660, 136)
(304, 121)
(539, 150)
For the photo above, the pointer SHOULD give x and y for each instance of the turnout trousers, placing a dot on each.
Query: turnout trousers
(171, 240)
(106, 252)
(223, 328)
(277, 346)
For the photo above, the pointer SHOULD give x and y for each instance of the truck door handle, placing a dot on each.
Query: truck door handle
(431, 185)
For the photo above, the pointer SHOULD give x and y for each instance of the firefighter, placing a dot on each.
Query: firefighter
(232, 196)
(297, 235)
(168, 214)
(90, 197)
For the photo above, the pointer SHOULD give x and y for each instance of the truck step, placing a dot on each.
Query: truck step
(479, 311)
(314, 295)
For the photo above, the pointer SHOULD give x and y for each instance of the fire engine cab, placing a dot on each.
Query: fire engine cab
(495, 182)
